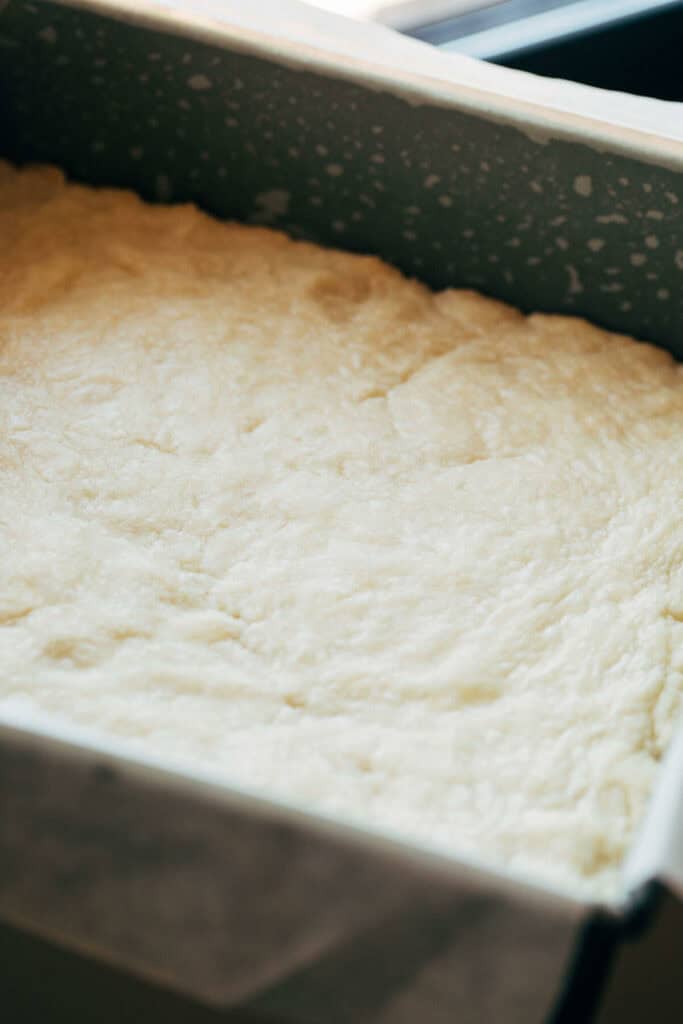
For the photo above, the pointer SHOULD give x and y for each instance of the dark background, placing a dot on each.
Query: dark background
(642, 54)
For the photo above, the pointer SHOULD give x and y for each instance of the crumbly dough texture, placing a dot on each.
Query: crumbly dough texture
(409, 558)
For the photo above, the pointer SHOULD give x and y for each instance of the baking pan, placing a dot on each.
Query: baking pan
(350, 136)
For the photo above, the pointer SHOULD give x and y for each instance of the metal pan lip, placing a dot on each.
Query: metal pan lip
(445, 87)
(135, 767)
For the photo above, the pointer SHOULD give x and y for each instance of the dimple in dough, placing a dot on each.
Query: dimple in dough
(409, 558)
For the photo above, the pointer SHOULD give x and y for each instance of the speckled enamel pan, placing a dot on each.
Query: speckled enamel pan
(553, 198)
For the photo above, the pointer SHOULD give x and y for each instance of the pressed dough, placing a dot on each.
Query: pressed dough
(413, 559)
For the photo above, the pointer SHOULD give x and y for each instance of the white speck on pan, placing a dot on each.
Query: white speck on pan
(575, 285)
(163, 187)
(583, 185)
(611, 218)
(200, 83)
(48, 35)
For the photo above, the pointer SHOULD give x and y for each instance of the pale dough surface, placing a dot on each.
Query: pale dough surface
(408, 558)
